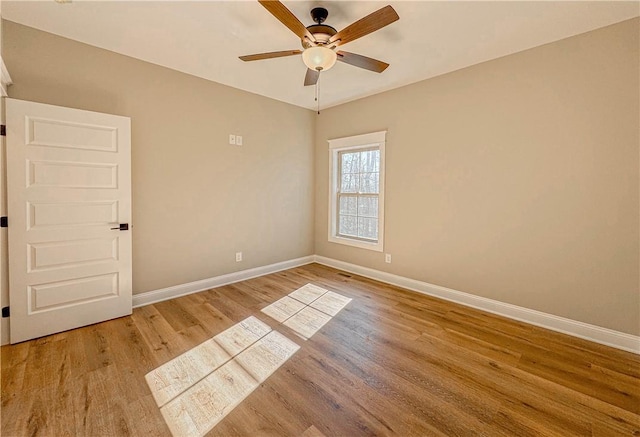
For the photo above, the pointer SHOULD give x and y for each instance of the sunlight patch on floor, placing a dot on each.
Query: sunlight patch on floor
(200, 387)
(201, 407)
(197, 389)
(176, 376)
(307, 309)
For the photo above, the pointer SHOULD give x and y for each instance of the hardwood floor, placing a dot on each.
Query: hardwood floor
(392, 362)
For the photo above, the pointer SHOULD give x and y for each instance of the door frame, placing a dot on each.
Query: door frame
(5, 81)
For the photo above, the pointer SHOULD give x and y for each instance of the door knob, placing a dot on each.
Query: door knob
(121, 227)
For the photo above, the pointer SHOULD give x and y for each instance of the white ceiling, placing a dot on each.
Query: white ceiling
(205, 38)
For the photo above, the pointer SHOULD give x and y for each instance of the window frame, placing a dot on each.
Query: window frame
(374, 140)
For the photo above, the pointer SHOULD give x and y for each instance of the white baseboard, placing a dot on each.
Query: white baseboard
(155, 296)
(609, 337)
(597, 334)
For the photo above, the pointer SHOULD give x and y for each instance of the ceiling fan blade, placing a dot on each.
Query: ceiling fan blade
(364, 26)
(270, 55)
(311, 78)
(286, 17)
(362, 61)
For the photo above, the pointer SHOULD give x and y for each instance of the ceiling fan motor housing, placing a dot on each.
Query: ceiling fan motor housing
(321, 32)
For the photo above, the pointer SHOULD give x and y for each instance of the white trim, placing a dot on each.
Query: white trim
(155, 296)
(358, 140)
(597, 334)
(5, 79)
(377, 139)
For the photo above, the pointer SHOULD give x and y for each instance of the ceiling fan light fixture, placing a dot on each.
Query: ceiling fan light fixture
(319, 58)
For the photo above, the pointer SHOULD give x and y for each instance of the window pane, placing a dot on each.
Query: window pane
(368, 207)
(368, 228)
(370, 161)
(349, 205)
(348, 225)
(369, 182)
(350, 162)
(349, 183)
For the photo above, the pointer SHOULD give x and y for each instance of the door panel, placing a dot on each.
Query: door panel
(69, 185)
(69, 293)
(49, 215)
(43, 256)
(59, 133)
(71, 174)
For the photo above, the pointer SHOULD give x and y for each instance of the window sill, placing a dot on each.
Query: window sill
(377, 247)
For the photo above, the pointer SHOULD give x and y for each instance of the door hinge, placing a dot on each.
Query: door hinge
(4, 222)
(3, 130)
(6, 312)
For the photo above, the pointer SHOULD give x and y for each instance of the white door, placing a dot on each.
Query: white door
(69, 185)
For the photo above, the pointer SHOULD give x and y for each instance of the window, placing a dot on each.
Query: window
(356, 197)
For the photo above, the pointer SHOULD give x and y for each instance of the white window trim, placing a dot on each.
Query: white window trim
(374, 139)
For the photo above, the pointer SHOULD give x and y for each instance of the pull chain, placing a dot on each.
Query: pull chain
(318, 93)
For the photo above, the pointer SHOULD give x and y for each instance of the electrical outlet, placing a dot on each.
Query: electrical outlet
(387, 258)
(238, 140)
(232, 139)
(238, 257)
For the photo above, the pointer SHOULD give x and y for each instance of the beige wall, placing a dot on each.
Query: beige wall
(196, 199)
(516, 179)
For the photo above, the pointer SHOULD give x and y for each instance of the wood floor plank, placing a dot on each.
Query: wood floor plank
(176, 315)
(231, 309)
(283, 308)
(330, 303)
(47, 365)
(161, 339)
(99, 407)
(131, 356)
(46, 413)
(307, 322)
(212, 320)
(489, 350)
(308, 293)
(385, 414)
(391, 362)
(97, 351)
(238, 294)
(13, 361)
(277, 420)
(514, 386)
(146, 418)
(427, 388)
(581, 376)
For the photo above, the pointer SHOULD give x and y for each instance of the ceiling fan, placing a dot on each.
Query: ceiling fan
(321, 41)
